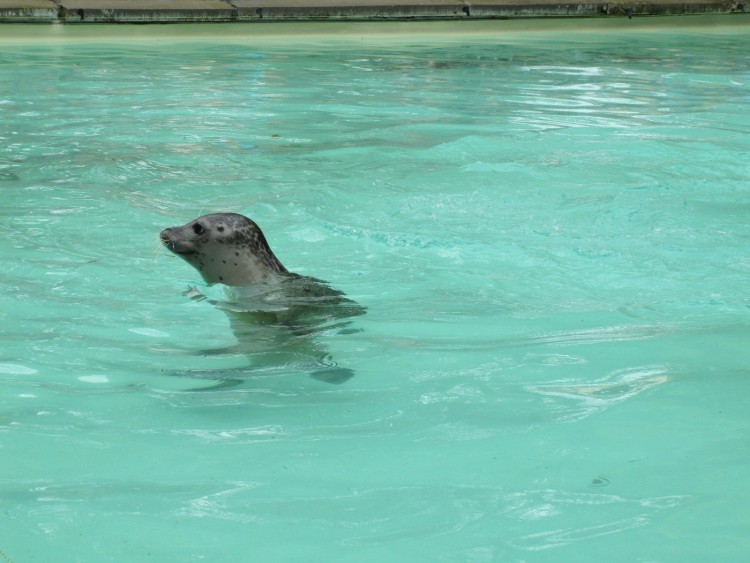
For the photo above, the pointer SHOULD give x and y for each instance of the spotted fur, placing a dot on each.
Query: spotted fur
(225, 248)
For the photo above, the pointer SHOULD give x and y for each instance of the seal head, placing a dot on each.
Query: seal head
(225, 248)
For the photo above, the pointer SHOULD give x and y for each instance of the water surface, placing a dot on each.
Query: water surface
(550, 234)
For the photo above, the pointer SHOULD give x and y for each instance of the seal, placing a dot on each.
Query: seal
(230, 249)
(274, 313)
(225, 248)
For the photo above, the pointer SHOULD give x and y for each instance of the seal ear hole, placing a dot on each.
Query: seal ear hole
(221, 229)
(199, 229)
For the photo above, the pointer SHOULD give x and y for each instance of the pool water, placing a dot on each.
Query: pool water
(550, 234)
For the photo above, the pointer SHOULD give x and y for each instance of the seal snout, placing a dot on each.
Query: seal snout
(166, 238)
(173, 241)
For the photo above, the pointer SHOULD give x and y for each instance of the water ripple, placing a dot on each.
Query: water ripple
(573, 400)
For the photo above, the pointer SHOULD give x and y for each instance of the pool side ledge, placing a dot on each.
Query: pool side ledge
(168, 11)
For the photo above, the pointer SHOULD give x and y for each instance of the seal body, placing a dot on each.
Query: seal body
(231, 249)
(225, 248)
(276, 315)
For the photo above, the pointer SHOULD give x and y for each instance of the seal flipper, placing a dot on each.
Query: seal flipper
(222, 384)
(225, 351)
(221, 377)
(329, 372)
(335, 375)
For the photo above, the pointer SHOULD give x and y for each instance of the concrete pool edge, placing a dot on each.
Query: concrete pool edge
(301, 35)
(216, 11)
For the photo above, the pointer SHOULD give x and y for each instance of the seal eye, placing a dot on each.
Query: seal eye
(199, 229)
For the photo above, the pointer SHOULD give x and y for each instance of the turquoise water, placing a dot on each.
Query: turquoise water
(549, 231)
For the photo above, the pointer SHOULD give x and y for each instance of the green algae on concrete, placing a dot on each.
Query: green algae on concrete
(28, 10)
(349, 10)
(168, 11)
(484, 9)
(143, 11)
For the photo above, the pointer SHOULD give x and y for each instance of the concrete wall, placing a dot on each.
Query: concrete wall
(165, 11)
